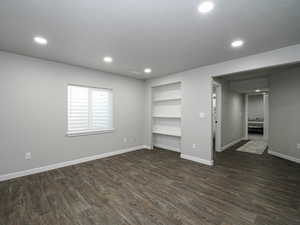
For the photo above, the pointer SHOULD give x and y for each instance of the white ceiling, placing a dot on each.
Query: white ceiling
(249, 81)
(249, 86)
(259, 73)
(167, 35)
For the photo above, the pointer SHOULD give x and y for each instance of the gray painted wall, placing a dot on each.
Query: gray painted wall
(255, 106)
(285, 112)
(233, 114)
(33, 111)
(34, 108)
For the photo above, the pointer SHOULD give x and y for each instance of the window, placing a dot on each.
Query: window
(89, 110)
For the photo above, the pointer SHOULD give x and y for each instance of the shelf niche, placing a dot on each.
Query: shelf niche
(166, 116)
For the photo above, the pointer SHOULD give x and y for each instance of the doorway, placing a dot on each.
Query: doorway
(230, 120)
(257, 116)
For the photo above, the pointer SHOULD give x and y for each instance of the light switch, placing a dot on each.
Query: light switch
(202, 115)
(28, 155)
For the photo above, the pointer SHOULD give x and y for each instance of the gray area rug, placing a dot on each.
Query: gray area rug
(255, 147)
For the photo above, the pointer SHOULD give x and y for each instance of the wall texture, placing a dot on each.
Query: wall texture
(255, 106)
(34, 108)
(284, 101)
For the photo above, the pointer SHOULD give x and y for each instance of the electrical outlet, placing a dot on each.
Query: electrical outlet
(194, 146)
(28, 155)
(298, 146)
(125, 140)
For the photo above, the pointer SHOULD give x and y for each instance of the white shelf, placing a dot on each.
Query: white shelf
(167, 84)
(256, 122)
(167, 131)
(167, 116)
(166, 99)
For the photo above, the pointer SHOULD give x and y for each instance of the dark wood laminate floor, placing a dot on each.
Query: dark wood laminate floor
(157, 188)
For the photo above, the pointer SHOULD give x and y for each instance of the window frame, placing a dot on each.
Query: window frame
(93, 131)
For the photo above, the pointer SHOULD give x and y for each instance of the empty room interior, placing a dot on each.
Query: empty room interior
(150, 112)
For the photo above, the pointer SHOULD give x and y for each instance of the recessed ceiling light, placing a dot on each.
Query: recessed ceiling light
(237, 43)
(108, 59)
(147, 70)
(40, 40)
(257, 90)
(206, 7)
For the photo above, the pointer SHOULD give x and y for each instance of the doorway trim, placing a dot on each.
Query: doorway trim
(218, 132)
(266, 114)
(246, 117)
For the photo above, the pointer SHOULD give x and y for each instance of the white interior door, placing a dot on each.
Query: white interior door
(217, 116)
(266, 117)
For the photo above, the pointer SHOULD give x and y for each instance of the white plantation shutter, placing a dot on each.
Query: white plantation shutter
(78, 110)
(101, 118)
(89, 109)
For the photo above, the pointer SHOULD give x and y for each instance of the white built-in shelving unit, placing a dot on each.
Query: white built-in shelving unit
(166, 116)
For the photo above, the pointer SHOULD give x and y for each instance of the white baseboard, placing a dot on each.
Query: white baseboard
(232, 143)
(67, 163)
(196, 159)
(147, 147)
(167, 147)
(283, 156)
